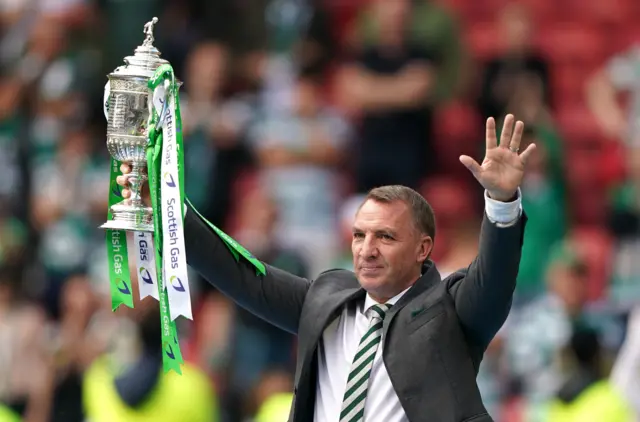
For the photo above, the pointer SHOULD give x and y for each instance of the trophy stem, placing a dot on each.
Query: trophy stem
(131, 214)
(136, 179)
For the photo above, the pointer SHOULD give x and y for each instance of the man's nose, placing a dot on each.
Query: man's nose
(369, 247)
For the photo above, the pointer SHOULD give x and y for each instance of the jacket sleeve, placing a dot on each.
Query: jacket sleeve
(483, 296)
(276, 297)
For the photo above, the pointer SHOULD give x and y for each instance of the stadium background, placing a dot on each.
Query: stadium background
(283, 135)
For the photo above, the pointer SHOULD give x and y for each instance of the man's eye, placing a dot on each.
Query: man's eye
(387, 237)
(358, 235)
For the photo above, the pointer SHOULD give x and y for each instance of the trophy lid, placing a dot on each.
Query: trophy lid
(146, 58)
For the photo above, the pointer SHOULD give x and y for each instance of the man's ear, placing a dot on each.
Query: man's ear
(426, 247)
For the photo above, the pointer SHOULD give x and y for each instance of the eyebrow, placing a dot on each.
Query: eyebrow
(384, 230)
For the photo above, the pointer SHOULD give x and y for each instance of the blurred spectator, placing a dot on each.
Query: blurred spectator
(617, 76)
(586, 395)
(536, 335)
(63, 213)
(283, 38)
(213, 128)
(257, 347)
(519, 69)
(431, 27)
(390, 84)
(543, 196)
(26, 381)
(272, 397)
(124, 381)
(298, 155)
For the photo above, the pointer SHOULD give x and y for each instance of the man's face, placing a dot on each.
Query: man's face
(388, 249)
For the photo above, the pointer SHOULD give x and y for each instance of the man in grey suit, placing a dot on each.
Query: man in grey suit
(391, 341)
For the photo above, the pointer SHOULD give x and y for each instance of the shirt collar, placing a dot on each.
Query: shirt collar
(369, 301)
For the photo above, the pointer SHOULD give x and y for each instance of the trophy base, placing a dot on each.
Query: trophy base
(130, 217)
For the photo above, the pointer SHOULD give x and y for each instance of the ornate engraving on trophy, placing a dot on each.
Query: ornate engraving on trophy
(127, 129)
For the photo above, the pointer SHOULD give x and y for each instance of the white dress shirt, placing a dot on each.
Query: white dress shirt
(340, 342)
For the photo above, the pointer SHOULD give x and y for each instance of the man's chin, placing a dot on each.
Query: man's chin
(371, 278)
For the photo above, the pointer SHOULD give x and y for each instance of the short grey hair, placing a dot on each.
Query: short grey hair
(423, 215)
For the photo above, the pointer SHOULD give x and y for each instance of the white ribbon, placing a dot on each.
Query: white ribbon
(174, 262)
(146, 265)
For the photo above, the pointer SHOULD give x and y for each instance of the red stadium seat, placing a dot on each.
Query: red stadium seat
(568, 82)
(577, 123)
(483, 40)
(588, 205)
(573, 43)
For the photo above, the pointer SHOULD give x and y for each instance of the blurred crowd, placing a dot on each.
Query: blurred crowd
(292, 110)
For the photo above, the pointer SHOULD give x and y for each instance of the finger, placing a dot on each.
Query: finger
(507, 130)
(471, 164)
(517, 136)
(527, 153)
(492, 139)
(125, 168)
(126, 193)
(122, 180)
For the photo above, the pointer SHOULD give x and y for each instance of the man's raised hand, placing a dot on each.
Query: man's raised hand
(502, 169)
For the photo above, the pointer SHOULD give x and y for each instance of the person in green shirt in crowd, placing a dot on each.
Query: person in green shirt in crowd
(544, 197)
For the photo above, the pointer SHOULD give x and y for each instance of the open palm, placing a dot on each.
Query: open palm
(502, 169)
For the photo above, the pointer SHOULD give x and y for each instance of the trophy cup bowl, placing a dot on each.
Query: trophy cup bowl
(129, 109)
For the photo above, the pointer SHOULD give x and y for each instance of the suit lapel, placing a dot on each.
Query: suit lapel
(430, 278)
(333, 309)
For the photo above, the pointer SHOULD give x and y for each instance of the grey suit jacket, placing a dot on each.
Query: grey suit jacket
(434, 337)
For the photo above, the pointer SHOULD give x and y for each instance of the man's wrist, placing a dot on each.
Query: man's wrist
(503, 198)
(504, 213)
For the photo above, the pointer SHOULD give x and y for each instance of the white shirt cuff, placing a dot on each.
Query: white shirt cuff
(503, 213)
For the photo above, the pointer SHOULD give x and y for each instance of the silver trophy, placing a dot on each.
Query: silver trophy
(129, 108)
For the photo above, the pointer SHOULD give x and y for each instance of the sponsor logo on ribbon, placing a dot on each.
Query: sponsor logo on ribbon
(123, 287)
(168, 179)
(173, 249)
(176, 283)
(146, 277)
(169, 352)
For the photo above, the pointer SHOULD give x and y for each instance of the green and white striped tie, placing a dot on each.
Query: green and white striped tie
(358, 381)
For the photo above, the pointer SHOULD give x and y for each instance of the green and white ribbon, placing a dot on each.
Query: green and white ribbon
(174, 265)
(171, 354)
(117, 254)
(166, 182)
